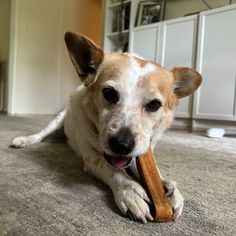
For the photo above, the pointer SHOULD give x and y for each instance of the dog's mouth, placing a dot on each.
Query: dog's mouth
(118, 162)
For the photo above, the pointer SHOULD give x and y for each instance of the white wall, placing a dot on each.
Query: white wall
(178, 8)
(41, 73)
(5, 6)
(5, 9)
(84, 17)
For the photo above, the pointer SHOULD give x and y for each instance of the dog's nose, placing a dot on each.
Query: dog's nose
(123, 142)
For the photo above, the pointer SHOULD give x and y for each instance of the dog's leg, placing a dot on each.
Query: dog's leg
(130, 196)
(55, 124)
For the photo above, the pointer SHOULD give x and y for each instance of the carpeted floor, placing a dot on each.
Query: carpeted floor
(44, 191)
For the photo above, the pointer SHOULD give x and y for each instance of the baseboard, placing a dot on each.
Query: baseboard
(182, 123)
(202, 125)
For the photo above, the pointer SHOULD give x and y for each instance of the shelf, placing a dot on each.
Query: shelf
(147, 26)
(116, 6)
(114, 34)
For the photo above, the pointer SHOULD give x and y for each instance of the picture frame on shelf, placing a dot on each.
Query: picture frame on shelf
(150, 12)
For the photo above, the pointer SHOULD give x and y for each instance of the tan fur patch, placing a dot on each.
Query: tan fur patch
(141, 62)
(112, 68)
(159, 80)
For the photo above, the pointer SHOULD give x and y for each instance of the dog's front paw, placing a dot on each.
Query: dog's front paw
(175, 197)
(24, 141)
(133, 201)
(177, 203)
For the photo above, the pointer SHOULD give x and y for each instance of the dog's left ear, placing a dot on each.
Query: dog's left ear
(186, 81)
(86, 56)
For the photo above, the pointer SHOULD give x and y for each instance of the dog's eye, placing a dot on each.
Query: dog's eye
(110, 95)
(153, 106)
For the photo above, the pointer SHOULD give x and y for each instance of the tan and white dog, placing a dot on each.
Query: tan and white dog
(122, 107)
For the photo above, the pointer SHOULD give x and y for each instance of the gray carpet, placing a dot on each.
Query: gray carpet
(44, 191)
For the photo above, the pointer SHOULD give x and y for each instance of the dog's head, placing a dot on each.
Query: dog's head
(132, 100)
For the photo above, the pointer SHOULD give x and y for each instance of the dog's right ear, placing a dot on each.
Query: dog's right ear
(86, 56)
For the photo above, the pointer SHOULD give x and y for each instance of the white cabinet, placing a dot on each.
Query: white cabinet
(145, 42)
(178, 49)
(216, 61)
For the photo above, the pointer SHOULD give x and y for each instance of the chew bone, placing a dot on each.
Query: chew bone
(150, 178)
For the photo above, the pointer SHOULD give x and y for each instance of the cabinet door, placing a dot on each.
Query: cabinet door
(216, 61)
(178, 49)
(144, 42)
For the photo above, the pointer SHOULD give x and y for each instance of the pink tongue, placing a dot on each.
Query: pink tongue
(119, 161)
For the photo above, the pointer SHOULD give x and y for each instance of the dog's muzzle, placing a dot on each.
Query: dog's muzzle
(121, 145)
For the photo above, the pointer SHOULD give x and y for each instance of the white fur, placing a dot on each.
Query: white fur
(87, 131)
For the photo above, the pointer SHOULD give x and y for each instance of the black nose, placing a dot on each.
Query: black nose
(122, 142)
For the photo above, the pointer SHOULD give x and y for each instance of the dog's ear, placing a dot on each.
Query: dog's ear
(86, 56)
(186, 81)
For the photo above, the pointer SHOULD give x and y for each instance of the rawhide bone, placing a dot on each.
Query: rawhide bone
(151, 180)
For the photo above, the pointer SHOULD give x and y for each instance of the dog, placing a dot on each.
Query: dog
(122, 107)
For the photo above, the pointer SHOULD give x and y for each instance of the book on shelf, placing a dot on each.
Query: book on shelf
(121, 19)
